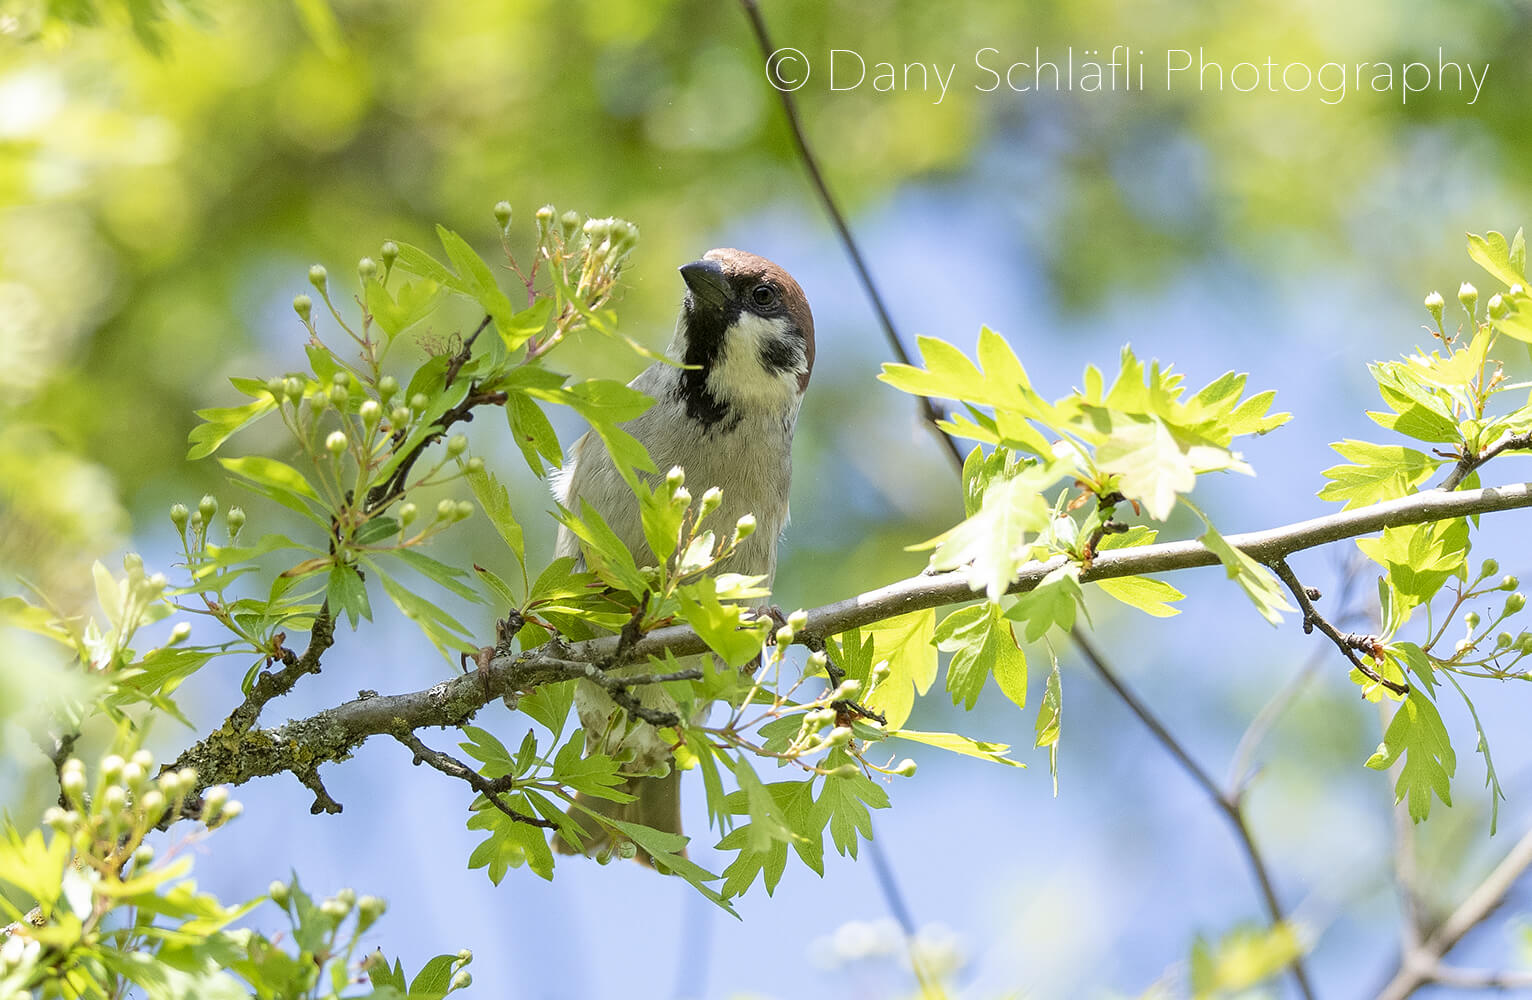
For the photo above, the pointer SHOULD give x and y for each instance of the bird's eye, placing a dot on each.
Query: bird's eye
(763, 295)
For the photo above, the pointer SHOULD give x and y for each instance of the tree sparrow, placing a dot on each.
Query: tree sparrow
(746, 337)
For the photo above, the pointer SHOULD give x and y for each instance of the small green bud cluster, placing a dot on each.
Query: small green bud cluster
(1468, 295)
(448, 511)
(127, 802)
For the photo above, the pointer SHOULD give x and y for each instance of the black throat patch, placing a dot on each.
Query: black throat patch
(705, 332)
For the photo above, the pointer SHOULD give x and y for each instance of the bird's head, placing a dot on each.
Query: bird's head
(746, 327)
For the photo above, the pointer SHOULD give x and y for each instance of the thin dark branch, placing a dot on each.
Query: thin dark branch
(1467, 463)
(323, 802)
(269, 685)
(1348, 643)
(1228, 806)
(838, 219)
(455, 768)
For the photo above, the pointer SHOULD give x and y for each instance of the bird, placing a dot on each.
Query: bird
(745, 342)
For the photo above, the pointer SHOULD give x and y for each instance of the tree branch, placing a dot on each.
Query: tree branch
(1229, 805)
(816, 176)
(232, 756)
(1468, 463)
(1422, 965)
(455, 768)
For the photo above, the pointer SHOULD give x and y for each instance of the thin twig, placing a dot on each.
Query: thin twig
(1468, 463)
(455, 768)
(837, 218)
(1423, 965)
(1228, 806)
(1312, 619)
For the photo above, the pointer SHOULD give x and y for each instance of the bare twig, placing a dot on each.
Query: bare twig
(1229, 806)
(838, 219)
(1468, 463)
(1347, 644)
(455, 768)
(1422, 965)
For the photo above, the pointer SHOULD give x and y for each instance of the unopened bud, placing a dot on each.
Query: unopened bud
(339, 394)
(456, 445)
(1503, 640)
(236, 520)
(207, 507)
(569, 223)
(143, 759)
(153, 803)
(1434, 303)
(399, 416)
(213, 802)
(1471, 619)
(474, 464)
(1498, 309)
(1509, 583)
(143, 854)
(464, 510)
(111, 767)
(798, 620)
(503, 214)
(303, 305)
(906, 768)
(843, 771)
(446, 510)
(682, 497)
(1515, 603)
(336, 444)
(744, 527)
(464, 956)
(849, 688)
(407, 513)
(710, 501)
(419, 402)
(231, 812)
(279, 893)
(294, 388)
(1490, 568)
(179, 634)
(133, 564)
(371, 412)
(114, 798)
(817, 659)
(389, 253)
(839, 736)
(318, 277)
(785, 636)
(132, 774)
(675, 478)
(369, 909)
(366, 269)
(387, 387)
(277, 387)
(1469, 296)
(463, 980)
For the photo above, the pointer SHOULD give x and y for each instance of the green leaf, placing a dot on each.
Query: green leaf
(1379, 472)
(1506, 262)
(845, 802)
(478, 277)
(275, 480)
(1242, 959)
(722, 626)
(412, 302)
(1416, 733)
(532, 432)
(434, 979)
(221, 423)
(665, 849)
(510, 844)
(445, 632)
(1491, 780)
(1050, 719)
(605, 553)
(416, 261)
(1420, 558)
(981, 643)
(1145, 593)
(1259, 583)
(448, 577)
(989, 547)
(549, 706)
(904, 642)
(967, 746)
(347, 594)
(527, 323)
(1051, 604)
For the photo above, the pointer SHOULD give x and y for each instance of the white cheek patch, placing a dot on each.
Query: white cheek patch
(737, 374)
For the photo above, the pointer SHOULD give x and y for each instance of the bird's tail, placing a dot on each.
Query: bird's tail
(656, 803)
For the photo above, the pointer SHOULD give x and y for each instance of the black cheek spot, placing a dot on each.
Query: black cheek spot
(780, 354)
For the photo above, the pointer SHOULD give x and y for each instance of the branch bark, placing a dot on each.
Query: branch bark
(231, 756)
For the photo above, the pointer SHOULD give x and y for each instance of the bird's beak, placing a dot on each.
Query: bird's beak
(707, 281)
